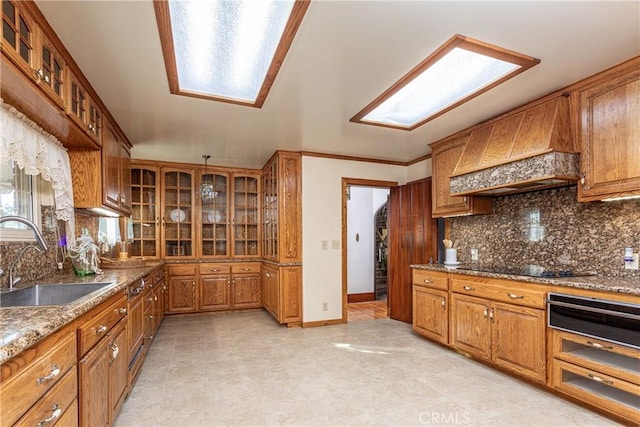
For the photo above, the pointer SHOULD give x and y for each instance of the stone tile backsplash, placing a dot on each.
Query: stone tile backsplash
(550, 228)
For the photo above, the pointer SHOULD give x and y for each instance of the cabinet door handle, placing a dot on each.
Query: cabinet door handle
(600, 380)
(491, 314)
(246, 269)
(55, 371)
(444, 302)
(101, 329)
(122, 310)
(514, 296)
(486, 311)
(598, 345)
(268, 275)
(428, 281)
(56, 412)
(468, 288)
(114, 351)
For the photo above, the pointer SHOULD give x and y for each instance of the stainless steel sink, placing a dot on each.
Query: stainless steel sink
(49, 294)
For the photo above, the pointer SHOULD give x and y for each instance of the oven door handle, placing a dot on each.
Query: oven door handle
(593, 309)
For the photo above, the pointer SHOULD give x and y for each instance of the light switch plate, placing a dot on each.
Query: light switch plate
(335, 244)
(325, 245)
(474, 254)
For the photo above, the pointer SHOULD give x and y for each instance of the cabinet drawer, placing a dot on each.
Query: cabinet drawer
(99, 322)
(431, 279)
(158, 277)
(54, 403)
(245, 268)
(214, 268)
(37, 376)
(515, 294)
(182, 269)
(613, 395)
(615, 360)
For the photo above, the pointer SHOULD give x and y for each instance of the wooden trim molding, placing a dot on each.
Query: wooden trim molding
(352, 158)
(363, 297)
(322, 323)
(163, 18)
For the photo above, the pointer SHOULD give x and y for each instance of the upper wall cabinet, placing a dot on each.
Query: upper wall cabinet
(445, 155)
(102, 179)
(41, 79)
(609, 128)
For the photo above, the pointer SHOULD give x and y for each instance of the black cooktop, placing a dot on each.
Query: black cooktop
(526, 270)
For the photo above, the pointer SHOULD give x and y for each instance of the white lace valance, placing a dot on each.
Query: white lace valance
(38, 152)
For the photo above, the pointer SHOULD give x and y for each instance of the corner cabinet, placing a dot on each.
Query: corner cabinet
(609, 128)
(444, 157)
(102, 179)
(282, 237)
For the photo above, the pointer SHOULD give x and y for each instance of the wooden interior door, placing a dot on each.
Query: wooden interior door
(412, 240)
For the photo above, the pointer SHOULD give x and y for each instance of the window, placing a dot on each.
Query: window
(22, 195)
(456, 72)
(227, 51)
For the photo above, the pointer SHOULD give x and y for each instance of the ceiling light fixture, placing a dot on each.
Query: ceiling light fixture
(206, 186)
(224, 50)
(456, 72)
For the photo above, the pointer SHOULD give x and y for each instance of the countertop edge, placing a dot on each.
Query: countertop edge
(625, 285)
(18, 335)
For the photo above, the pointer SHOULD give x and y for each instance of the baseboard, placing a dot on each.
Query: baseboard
(364, 297)
(322, 323)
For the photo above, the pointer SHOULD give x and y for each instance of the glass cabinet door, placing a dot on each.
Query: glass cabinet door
(178, 191)
(145, 212)
(246, 214)
(270, 212)
(214, 197)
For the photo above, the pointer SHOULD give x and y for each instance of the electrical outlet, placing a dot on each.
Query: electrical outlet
(325, 306)
(335, 244)
(474, 254)
(325, 245)
(632, 265)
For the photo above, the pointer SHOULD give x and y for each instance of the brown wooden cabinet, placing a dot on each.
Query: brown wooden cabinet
(102, 179)
(609, 129)
(145, 211)
(35, 379)
(135, 329)
(181, 292)
(444, 157)
(282, 237)
(484, 325)
(599, 373)
(282, 290)
(431, 305)
(103, 374)
(178, 213)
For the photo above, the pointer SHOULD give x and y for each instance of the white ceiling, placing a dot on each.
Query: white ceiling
(344, 55)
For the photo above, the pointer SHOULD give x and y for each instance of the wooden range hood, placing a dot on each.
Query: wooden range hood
(529, 149)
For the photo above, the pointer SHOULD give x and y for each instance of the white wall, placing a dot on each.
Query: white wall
(322, 220)
(419, 170)
(361, 209)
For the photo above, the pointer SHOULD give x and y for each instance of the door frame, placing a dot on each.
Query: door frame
(346, 183)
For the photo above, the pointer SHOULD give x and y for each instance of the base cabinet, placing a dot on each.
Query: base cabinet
(471, 329)
(431, 305)
(596, 372)
(282, 290)
(205, 287)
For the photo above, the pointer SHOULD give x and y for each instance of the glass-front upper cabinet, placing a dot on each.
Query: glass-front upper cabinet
(214, 197)
(270, 212)
(246, 214)
(145, 212)
(178, 213)
(18, 36)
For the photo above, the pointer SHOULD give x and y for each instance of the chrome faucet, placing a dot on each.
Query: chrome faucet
(42, 245)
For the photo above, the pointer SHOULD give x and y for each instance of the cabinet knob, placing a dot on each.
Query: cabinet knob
(114, 351)
(427, 281)
(101, 329)
(268, 275)
(599, 379)
(491, 314)
(122, 310)
(486, 312)
(583, 179)
(444, 302)
(468, 288)
(514, 296)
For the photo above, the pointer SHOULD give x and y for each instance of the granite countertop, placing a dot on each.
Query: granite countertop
(22, 327)
(623, 285)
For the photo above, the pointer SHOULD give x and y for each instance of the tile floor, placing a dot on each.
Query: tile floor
(243, 369)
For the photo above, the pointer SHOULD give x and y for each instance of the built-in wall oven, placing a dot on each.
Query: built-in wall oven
(611, 321)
